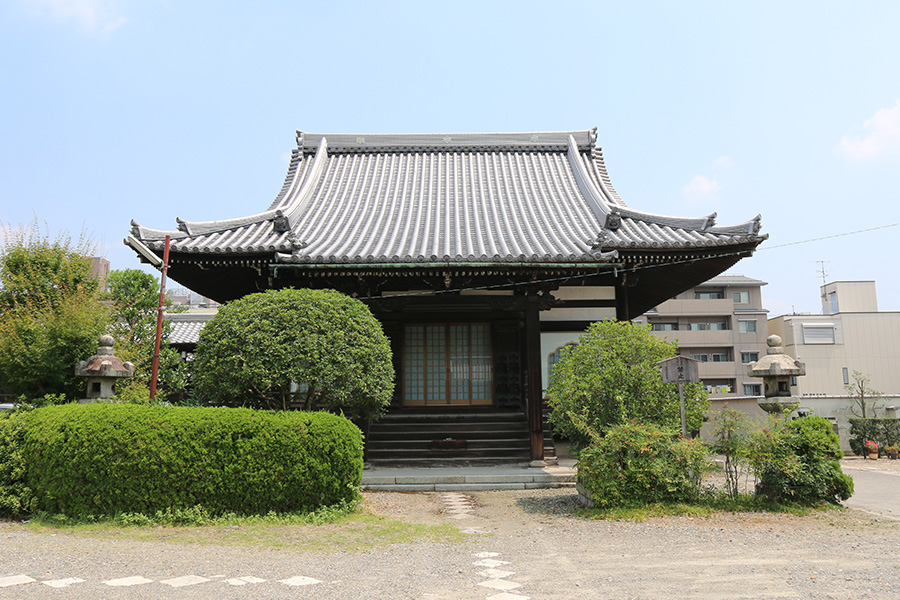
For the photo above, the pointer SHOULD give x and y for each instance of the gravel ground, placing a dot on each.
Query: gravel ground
(546, 552)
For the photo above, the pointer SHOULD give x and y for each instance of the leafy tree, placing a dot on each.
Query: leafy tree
(50, 316)
(311, 349)
(36, 270)
(134, 295)
(612, 377)
(135, 298)
(732, 440)
(865, 399)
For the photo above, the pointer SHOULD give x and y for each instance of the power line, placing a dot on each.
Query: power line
(829, 237)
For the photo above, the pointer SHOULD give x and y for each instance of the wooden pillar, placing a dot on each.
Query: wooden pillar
(533, 361)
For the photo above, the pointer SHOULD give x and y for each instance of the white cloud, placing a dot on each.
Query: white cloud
(701, 190)
(883, 137)
(723, 162)
(92, 17)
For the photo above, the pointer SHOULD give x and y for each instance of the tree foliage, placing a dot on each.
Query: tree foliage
(611, 377)
(799, 461)
(305, 348)
(865, 402)
(134, 295)
(50, 314)
(637, 463)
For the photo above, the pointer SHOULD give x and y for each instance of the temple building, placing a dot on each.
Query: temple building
(481, 255)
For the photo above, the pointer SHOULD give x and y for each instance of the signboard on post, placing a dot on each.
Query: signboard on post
(680, 370)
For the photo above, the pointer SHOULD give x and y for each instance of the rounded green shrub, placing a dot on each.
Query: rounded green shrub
(799, 461)
(311, 349)
(105, 459)
(636, 464)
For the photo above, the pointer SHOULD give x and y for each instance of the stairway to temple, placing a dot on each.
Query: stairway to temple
(449, 436)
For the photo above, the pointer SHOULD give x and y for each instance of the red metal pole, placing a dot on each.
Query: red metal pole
(159, 320)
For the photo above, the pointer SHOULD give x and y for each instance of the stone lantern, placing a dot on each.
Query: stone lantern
(776, 369)
(102, 371)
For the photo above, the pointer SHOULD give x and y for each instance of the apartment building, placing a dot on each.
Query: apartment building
(722, 324)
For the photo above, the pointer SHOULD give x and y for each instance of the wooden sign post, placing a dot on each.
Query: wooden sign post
(680, 369)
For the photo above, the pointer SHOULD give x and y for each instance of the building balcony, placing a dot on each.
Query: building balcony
(700, 339)
(720, 370)
(690, 308)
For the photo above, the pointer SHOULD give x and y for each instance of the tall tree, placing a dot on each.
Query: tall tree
(865, 404)
(50, 314)
(135, 301)
(611, 377)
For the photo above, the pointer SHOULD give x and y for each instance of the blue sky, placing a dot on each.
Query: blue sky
(115, 110)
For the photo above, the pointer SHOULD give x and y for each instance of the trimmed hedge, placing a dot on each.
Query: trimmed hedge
(16, 498)
(884, 431)
(105, 459)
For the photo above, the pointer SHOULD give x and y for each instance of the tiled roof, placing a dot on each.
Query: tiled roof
(540, 197)
(185, 327)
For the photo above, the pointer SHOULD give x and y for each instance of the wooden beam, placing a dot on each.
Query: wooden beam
(533, 357)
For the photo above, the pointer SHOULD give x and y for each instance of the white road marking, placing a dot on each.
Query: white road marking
(487, 554)
(299, 580)
(505, 596)
(61, 583)
(490, 562)
(243, 580)
(128, 581)
(495, 574)
(500, 584)
(15, 580)
(185, 581)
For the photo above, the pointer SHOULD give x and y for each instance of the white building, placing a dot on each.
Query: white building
(850, 335)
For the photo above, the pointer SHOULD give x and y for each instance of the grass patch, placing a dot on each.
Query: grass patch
(704, 508)
(340, 529)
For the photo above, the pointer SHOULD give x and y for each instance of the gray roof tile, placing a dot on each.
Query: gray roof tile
(484, 198)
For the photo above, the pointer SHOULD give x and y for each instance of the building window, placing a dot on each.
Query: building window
(664, 326)
(713, 295)
(834, 302)
(818, 333)
(741, 297)
(715, 326)
(747, 326)
(846, 375)
(752, 389)
(721, 357)
(447, 364)
(749, 357)
(701, 357)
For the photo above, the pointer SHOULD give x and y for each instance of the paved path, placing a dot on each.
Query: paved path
(876, 486)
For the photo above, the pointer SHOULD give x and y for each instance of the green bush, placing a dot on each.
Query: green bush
(798, 461)
(613, 376)
(636, 464)
(15, 496)
(312, 349)
(884, 431)
(105, 459)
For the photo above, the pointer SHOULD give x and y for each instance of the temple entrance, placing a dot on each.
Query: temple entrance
(448, 364)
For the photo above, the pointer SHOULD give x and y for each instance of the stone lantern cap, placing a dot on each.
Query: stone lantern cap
(776, 363)
(105, 363)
